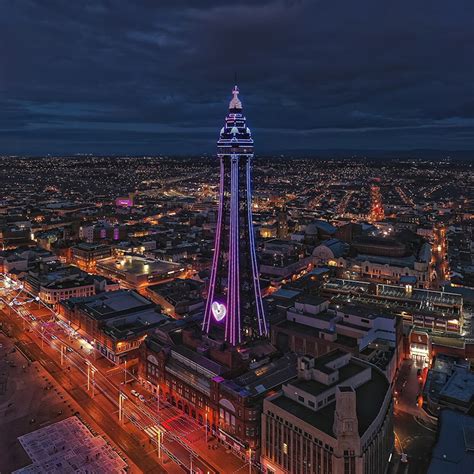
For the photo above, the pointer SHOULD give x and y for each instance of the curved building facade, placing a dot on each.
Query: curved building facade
(336, 418)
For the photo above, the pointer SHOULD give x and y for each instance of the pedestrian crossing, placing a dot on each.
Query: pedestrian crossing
(153, 431)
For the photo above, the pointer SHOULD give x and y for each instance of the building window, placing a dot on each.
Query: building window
(349, 462)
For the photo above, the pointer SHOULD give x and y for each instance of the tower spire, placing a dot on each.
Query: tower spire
(235, 103)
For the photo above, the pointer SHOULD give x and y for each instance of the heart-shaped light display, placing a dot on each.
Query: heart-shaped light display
(218, 310)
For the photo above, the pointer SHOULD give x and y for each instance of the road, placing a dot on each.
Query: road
(98, 408)
(439, 257)
(79, 368)
(414, 431)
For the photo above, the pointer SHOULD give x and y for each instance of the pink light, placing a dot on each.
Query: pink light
(123, 202)
(217, 244)
(219, 311)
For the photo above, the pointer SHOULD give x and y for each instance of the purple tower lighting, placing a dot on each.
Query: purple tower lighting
(234, 297)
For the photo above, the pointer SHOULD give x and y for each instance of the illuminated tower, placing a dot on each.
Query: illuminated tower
(376, 212)
(234, 299)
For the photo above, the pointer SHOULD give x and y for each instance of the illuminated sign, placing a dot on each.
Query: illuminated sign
(124, 202)
(218, 310)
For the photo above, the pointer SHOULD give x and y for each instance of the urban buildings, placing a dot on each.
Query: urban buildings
(394, 294)
(179, 297)
(102, 231)
(449, 384)
(335, 418)
(137, 272)
(115, 323)
(85, 255)
(221, 389)
(54, 282)
(435, 310)
(454, 448)
(312, 328)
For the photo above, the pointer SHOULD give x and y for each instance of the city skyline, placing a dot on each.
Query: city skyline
(236, 237)
(107, 79)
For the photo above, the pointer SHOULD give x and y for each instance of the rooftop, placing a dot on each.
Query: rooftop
(454, 450)
(310, 299)
(110, 304)
(459, 387)
(139, 265)
(264, 378)
(68, 446)
(345, 373)
(323, 419)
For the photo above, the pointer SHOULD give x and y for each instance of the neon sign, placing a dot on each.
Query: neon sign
(218, 310)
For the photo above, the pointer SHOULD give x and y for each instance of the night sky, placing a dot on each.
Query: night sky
(155, 76)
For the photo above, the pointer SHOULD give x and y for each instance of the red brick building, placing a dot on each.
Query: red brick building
(215, 383)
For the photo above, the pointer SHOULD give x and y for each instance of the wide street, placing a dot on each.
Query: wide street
(144, 432)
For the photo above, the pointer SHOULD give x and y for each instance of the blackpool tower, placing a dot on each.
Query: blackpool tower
(234, 299)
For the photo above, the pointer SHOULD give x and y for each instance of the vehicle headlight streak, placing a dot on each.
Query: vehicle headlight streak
(101, 382)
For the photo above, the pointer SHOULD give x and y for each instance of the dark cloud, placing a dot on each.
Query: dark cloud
(154, 77)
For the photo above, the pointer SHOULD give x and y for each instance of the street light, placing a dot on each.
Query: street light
(91, 370)
(158, 397)
(158, 438)
(122, 398)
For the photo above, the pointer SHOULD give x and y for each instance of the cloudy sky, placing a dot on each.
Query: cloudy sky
(155, 76)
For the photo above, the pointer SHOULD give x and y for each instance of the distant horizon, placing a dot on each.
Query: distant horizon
(414, 154)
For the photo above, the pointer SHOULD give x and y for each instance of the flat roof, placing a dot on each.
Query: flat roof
(345, 372)
(454, 449)
(260, 380)
(68, 446)
(323, 419)
(365, 311)
(138, 265)
(323, 315)
(459, 387)
(111, 303)
(286, 294)
(91, 246)
(311, 299)
(199, 359)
